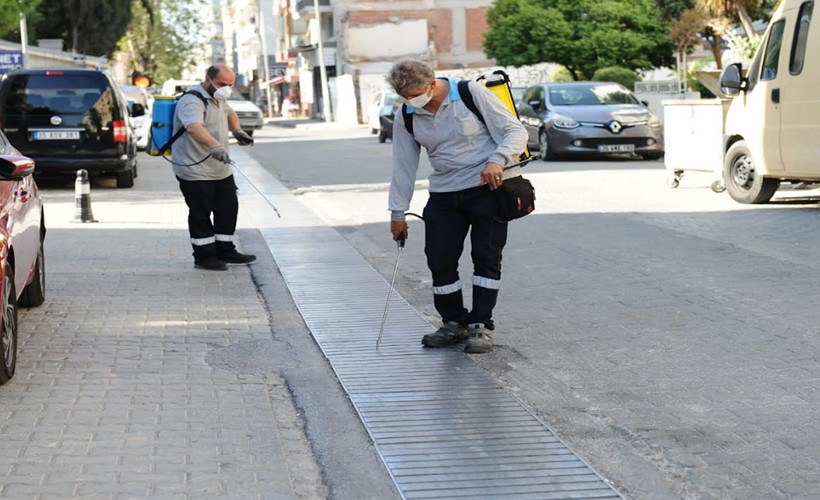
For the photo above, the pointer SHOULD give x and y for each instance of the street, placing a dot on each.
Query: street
(667, 336)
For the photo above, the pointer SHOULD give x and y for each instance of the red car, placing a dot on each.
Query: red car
(22, 231)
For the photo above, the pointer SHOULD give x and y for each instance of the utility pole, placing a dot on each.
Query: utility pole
(322, 70)
(265, 63)
(23, 39)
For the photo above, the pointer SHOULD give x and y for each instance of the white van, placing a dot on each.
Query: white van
(773, 123)
(250, 116)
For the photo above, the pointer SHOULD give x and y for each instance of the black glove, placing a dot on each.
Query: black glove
(219, 153)
(242, 137)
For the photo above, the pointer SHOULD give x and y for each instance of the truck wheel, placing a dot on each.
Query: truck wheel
(8, 350)
(742, 181)
(382, 136)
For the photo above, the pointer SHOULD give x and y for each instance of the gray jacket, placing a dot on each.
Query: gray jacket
(458, 145)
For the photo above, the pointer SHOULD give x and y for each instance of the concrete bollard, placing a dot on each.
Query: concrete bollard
(82, 198)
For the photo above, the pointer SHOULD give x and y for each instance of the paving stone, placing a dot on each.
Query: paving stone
(114, 396)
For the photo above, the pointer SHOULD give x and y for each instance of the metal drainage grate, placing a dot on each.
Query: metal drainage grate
(443, 427)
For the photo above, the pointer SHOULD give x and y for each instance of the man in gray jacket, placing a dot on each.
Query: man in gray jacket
(203, 168)
(468, 160)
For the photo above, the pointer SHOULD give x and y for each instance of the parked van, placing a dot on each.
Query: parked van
(249, 114)
(773, 123)
(68, 119)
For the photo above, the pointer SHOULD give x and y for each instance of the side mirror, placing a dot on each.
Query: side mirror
(15, 167)
(731, 80)
(645, 103)
(535, 104)
(137, 109)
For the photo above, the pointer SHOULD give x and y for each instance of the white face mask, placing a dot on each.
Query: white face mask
(222, 92)
(420, 100)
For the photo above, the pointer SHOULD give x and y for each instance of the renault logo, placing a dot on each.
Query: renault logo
(56, 120)
(614, 126)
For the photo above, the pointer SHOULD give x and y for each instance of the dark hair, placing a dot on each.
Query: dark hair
(212, 72)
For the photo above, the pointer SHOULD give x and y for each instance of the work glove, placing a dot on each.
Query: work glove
(219, 153)
(242, 137)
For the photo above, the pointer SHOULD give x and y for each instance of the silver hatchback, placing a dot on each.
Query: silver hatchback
(589, 118)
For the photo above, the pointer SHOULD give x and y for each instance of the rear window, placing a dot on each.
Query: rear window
(42, 94)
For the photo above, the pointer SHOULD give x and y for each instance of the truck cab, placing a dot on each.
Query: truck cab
(773, 121)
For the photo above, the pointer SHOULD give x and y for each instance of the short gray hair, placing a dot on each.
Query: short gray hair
(410, 74)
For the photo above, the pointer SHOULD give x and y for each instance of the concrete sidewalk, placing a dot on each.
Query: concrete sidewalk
(118, 393)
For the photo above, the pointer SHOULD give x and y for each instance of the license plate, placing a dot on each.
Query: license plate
(56, 135)
(616, 148)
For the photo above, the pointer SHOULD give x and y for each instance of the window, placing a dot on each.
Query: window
(801, 34)
(772, 55)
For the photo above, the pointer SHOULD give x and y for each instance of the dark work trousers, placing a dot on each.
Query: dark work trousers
(210, 239)
(447, 219)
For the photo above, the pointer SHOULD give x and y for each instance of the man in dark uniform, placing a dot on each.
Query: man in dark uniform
(208, 186)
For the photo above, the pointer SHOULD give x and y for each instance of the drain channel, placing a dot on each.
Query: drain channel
(443, 426)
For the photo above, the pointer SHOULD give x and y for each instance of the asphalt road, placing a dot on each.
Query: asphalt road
(668, 336)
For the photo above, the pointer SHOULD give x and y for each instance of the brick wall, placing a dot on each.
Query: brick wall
(476, 27)
(439, 22)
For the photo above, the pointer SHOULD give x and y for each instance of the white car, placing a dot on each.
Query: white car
(142, 123)
(381, 104)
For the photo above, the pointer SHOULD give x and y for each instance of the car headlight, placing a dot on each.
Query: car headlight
(561, 121)
(654, 121)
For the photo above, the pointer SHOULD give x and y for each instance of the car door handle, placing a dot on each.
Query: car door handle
(776, 96)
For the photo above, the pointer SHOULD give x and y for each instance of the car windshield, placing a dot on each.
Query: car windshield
(236, 96)
(56, 93)
(591, 95)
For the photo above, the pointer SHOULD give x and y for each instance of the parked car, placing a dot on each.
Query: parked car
(249, 114)
(68, 119)
(22, 261)
(142, 122)
(772, 125)
(381, 104)
(589, 118)
(517, 94)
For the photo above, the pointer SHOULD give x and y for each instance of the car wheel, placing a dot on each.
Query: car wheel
(34, 294)
(126, 179)
(742, 181)
(8, 350)
(382, 136)
(544, 148)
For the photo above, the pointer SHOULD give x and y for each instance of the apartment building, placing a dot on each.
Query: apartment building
(360, 40)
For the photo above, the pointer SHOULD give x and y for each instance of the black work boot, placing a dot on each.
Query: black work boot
(450, 333)
(235, 257)
(210, 264)
(205, 258)
(226, 252)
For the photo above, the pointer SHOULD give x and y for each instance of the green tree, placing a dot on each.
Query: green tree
(164, 37)
(10, 12)
(90, 27)
(624, 76)
(581, 35)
